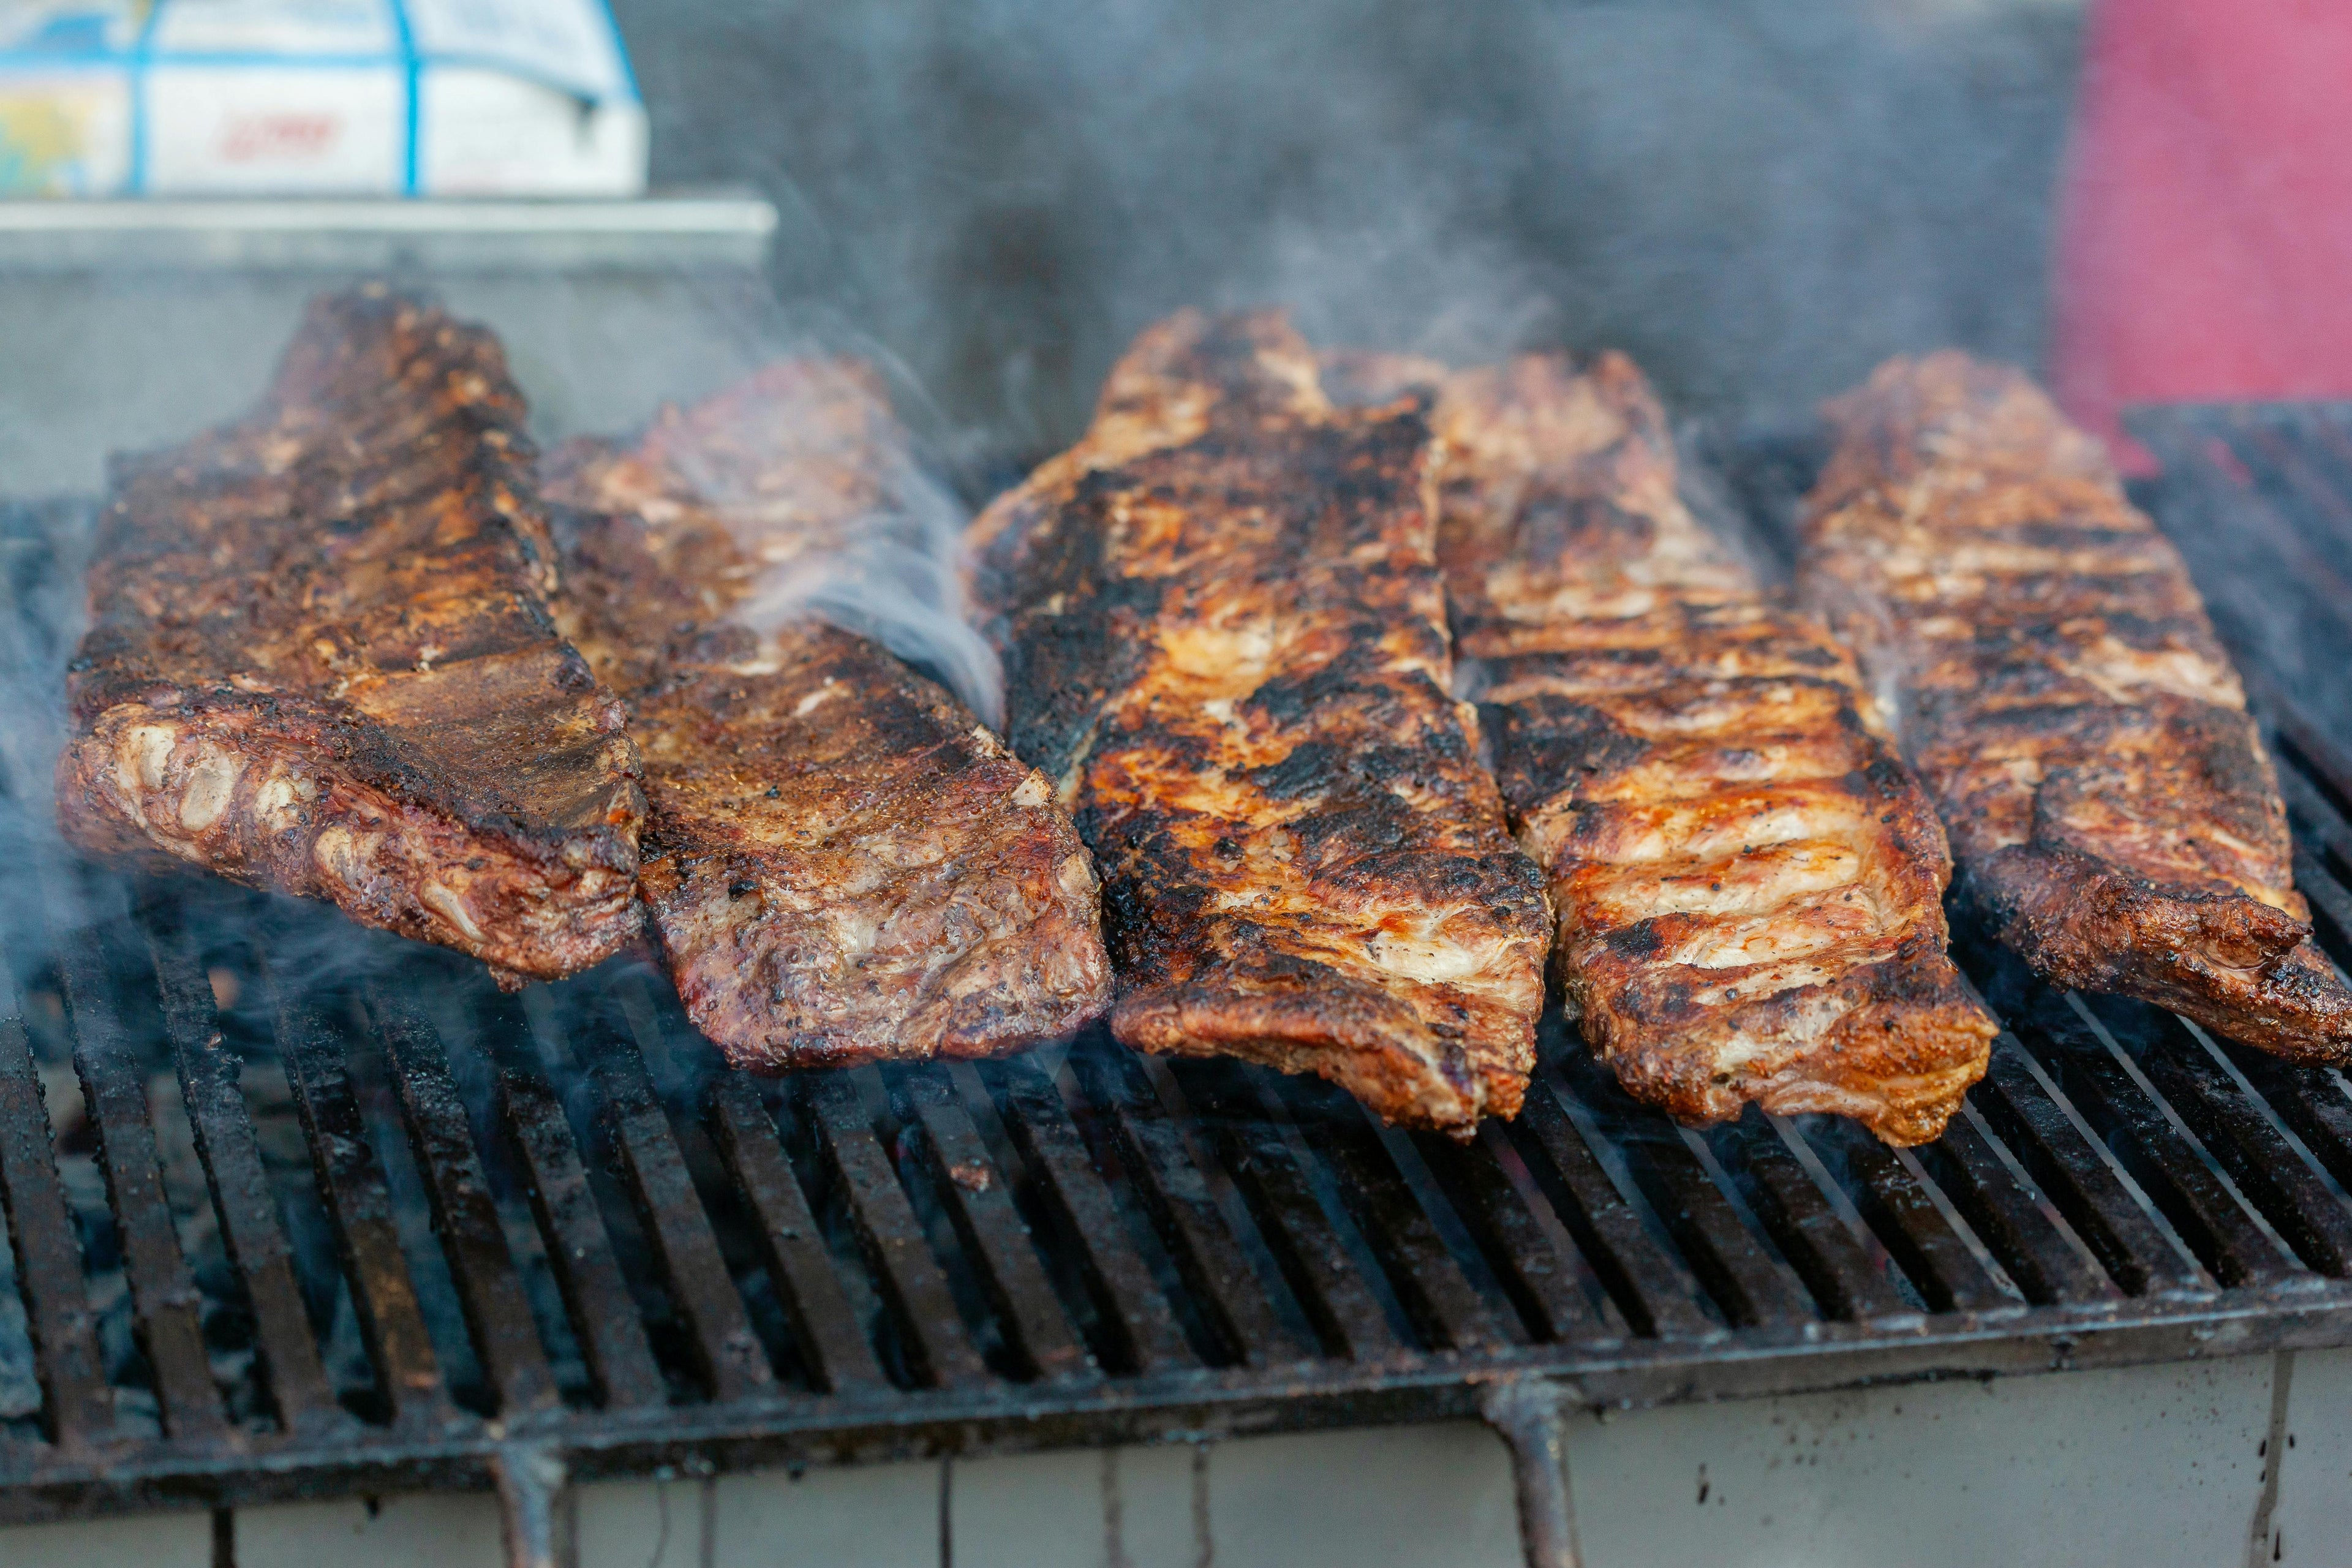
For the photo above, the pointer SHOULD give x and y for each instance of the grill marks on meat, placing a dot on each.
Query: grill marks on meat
(2060, 691)
(843, 863)
(320, 659)
(1225, 640)
(1748, 882)
(845, 866)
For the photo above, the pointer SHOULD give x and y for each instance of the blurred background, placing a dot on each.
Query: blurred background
(2141, 201)
(1758, 198)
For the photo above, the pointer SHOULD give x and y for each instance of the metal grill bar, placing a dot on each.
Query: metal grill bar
(352, 1185)
(2223, 1117)
(1315, 1263)
(2031, 1248)
(163, 1294)
(74, 1401)
(604, 1312)
(2331, 903)
(2322, 847)
(2081, 1179)
(2207, 1216)
(890, 1235)
(2326, 766)
(1216, 1274)
(1655, 1294)
(727, 1356)
(1748, 1284)
(825, 1326)
(295, 1382)
(2312, 1104)
(1144, 1332)
(979, 1204)
(1425, 1276)
(1538, 1281)
(1844, 1280)
(1744, 1279)
(497, 1311)
(1895, 1203)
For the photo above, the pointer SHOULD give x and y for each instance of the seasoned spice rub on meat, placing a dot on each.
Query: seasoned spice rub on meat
(319, 658)
(2060, 691)
(1748, 883)
(1225, 641)
(843, 863)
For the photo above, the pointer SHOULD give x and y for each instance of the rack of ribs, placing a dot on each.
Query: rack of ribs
(320, 660)
(2116, 818)
(1748, 883)
(843, 864)
(1225, 642)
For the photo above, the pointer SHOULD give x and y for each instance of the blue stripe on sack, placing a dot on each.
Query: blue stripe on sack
(620, 51)
(36, 58)
(141, 127)
(412, 121)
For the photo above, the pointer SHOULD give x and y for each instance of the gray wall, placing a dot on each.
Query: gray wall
(1759, 197)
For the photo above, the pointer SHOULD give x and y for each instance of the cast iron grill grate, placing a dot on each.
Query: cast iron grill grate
(295, 1209)
(2259, 497)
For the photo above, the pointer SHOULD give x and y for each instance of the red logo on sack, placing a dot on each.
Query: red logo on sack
(280, 138)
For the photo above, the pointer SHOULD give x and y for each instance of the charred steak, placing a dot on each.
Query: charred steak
(1748, 882)
(843, 863)
(2112, 809)
(1225, 642)
(320, 660)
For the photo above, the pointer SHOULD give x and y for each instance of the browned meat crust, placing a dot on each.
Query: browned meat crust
(320, 660)
(1225, 640)
(2060, 691)
(1749, 884)
(843, 864)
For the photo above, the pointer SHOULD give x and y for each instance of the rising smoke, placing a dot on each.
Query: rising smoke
(1758, 198)
(891, 573)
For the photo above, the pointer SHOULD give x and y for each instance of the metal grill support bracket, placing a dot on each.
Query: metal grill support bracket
(535, 1506)
(1531, 1415)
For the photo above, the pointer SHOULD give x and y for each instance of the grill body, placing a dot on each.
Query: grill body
(297, 1210)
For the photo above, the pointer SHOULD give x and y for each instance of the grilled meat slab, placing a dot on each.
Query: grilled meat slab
(843, 863)
(1748, 883)
(320, 660)
(2060, 689)
(1225, 642)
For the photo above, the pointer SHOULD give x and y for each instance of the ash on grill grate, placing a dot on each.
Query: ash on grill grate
(295, 1208)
